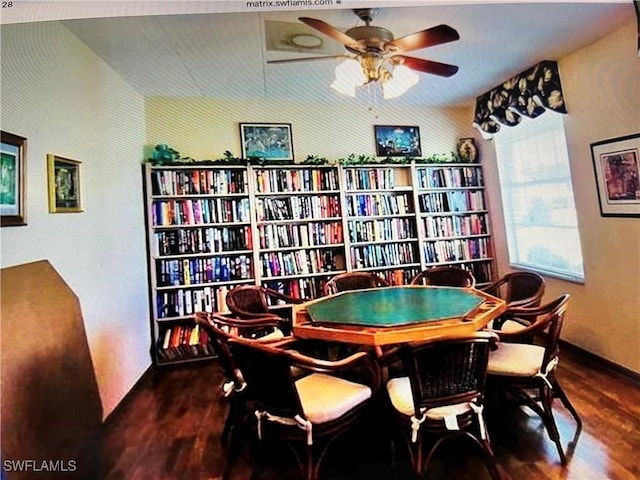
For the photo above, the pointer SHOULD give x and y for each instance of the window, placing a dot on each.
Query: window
(537, 197)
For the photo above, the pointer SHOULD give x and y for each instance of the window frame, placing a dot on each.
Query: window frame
(510, 184)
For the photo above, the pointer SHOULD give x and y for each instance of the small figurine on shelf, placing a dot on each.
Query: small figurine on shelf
(467, 150)
(163, 155)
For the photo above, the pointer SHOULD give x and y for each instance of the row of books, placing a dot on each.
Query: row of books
(282, 180)
(310, 288)
(456, 250)
(452, 201)
(300, 262)
(297, 180)
(399, 276)
(202, 240)
(200, 211)
(370, 204)
(183, 341)
(298, 208)
(196, 271)
(303, 288)
(381, 229)
(198, 182)
(370, 178)
(183, 301)
(455, 225)
(386, 255)
(450, 177)
(300, 235)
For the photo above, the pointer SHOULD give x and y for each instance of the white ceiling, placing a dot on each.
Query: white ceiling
(223, 54)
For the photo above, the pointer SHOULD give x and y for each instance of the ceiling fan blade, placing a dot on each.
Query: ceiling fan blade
(308, 59)
(426, 66)
(333, 32)
(424, 38)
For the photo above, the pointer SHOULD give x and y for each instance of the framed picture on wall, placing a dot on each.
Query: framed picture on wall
(397, 141)
(267, 141)
(616, 163)
(13, 180)
(64, 184)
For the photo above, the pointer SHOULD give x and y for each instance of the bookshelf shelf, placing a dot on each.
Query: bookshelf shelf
(291, 228)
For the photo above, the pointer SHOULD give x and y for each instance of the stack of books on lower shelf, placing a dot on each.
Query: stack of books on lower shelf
(182, 342)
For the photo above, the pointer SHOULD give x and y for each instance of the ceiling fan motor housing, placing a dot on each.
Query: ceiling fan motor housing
(373, 38)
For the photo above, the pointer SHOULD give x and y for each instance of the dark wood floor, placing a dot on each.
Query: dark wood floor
(169, 428)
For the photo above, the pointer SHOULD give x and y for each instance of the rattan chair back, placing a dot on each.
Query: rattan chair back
(446, 276)
(353, 281)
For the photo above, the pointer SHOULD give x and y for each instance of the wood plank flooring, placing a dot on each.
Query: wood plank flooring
(169, 428)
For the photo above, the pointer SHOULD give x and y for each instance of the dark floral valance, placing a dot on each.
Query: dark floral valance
(528, 94)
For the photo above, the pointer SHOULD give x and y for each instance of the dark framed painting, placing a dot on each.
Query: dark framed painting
(267, 141)
(64, 184)
(13, 180)
(616, 163)
(397, 141)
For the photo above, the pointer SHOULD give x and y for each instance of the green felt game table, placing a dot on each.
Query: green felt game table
(389, 315)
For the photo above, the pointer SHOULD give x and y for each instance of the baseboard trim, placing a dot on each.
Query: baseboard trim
(625, 372)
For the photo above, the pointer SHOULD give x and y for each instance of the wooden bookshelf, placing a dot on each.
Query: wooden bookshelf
(200, 242)
(300, 240)
(380, 221)
(453, 219)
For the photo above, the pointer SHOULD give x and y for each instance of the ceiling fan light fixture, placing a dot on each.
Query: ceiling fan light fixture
(402, 79)
(381, 58)
(344, 88)
(349, 76)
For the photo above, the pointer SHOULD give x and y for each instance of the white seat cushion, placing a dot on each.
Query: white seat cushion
(270, 337)
(399, 390)
(325, 397)
(509, 326)
(515, 360)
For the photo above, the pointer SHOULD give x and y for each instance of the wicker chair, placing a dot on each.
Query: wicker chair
(527, 371)
(446, 276)
(249, 302)
(307, 412)
(518, 289)
(234, 388)
(443, 395)
(353, 281)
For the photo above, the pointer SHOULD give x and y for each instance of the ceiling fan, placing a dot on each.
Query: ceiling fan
(378, 52)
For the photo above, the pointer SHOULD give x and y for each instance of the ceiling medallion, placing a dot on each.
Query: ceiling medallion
(304, 40)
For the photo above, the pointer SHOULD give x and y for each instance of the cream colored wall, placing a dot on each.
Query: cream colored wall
(204, 129)
(66, 101)
(601, 83)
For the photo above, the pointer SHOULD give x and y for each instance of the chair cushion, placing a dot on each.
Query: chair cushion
(270, 337)
(399, 390)
(509, 326)
(326, 397)
(515, 360)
